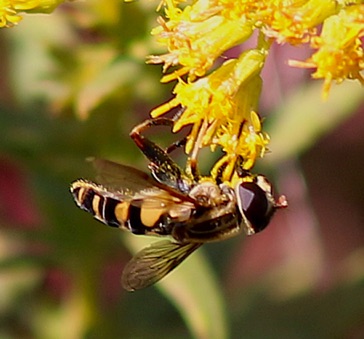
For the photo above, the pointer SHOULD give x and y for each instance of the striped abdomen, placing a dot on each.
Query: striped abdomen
(115, 212)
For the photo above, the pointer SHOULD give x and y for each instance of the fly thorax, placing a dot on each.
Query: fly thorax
(207, 194)
(227, 194)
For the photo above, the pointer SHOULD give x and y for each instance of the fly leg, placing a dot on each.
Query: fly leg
(177, 144)
(192, 169)
(162, 167)
(151, 150)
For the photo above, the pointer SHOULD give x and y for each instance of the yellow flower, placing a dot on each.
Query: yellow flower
(221, 107)
(10, 9)
(339, 48)
(295, 21)
(220, 104)
(197, 36)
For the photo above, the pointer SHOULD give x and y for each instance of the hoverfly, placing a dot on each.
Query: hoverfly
(190, 212)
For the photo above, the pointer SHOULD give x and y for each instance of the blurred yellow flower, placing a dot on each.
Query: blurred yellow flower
(10, 9)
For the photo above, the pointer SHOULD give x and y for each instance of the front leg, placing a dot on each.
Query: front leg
(162, 167)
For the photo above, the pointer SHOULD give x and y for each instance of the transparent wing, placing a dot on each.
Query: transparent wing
(117, 177)
(154, 262)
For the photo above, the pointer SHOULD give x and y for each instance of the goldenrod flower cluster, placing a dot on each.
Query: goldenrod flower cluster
(219, 96)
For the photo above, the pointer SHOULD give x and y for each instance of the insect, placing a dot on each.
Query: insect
(188, 211)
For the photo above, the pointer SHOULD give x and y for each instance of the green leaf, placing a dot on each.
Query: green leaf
(193, 289)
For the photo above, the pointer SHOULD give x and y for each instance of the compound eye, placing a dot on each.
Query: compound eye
(255, 205)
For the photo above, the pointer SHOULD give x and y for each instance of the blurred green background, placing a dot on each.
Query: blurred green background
(73, 84)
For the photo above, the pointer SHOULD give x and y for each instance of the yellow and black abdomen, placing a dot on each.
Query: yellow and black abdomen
(117, 212)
